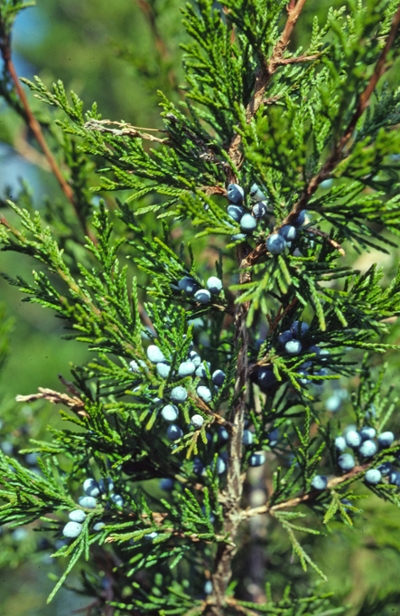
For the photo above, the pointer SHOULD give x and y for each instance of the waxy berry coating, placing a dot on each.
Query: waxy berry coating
(385, 439)
(248, 223)
(257, 459)
(197, 420)
(72, 530)
(275, 244)
(186, 368)
(235, 193)
(214, 285)
(202, 296)
(77, 515)
(179, 394)
(373, 476)
(87, 501)
(204, 393)
(288, 232)
(236, 212)
(218, 377)
(91, 487)
(155, 354)
(368, 448)
(346, 462)
(319, 482)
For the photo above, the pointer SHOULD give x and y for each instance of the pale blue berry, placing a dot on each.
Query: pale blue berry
(170, 412)
(288, 232)
(186, 368)
(394, 478)
(373, 476)
(72, 530)
(248, 223)
(326, 183)
(256, 193)
(163, 369)
(179, 394)
(201, 372)
(260, 209)
(368, 449)
(91, 487)
(319, 482)
(333, 403)
(340, 443)
(197, 421)
(257, 459)
(202, 296)
(195, 358)
(218, 377)
(293, 347)
(87, 501)
(117, 499)
(174, 432)
(188, 285)
(353, 438)
(208, 587)
(247, 438)
(235, 193)
(133, 366)
(214, 285)
(220, 466)
(223, 434)
(154, 354)
(77, 515)
(236, 212)
(98, 526)
(204, 393)
(346, 462)
(276, 244)
(367, 433)
(385, 439)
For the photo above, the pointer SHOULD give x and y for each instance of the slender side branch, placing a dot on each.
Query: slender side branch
(308, 496)
(265, 73)
(54, 397)
(35, 127)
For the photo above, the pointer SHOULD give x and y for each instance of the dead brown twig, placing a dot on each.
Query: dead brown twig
(55, 397)
(104, 126)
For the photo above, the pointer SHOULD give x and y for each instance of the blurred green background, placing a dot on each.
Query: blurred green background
(108, 52)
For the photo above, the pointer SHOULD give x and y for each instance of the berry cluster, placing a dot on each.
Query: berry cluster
(193, 367)
(292, 341)
(202, 296)
(365, 446)
(92, 490)
(277, 242)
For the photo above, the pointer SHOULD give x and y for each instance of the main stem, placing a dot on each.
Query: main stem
(234, 482)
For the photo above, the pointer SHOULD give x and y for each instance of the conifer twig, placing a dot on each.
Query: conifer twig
(336, 156)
